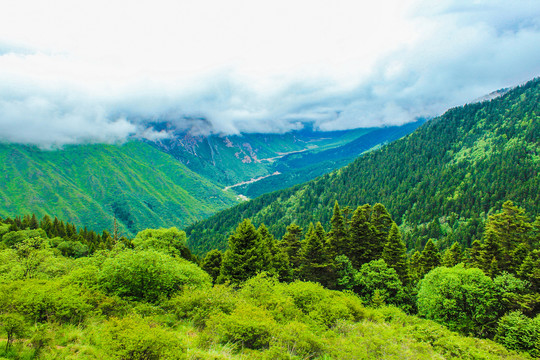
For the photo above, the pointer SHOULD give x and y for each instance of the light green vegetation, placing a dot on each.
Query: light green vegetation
(91, 184)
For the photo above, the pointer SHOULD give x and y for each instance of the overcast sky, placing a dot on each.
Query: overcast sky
(98, 71)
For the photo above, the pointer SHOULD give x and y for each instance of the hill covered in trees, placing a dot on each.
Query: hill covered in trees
(439, 182)
(168, 182)
(135, 183)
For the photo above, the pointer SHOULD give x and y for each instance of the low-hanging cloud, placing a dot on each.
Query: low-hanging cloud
(460, 52)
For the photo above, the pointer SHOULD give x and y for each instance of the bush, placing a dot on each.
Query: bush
(296, 339)
(247, 326)
(200, 305)
(377, 277)
(41, 301)
(150, 275)
(137, 339)
(462, 299)
(518, 332)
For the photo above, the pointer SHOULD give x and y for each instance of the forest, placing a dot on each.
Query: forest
(353, 292)
(441, 181)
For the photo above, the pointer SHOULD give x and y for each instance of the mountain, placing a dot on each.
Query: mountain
(299, 167)
(172, 182)
(281, 159)
(440, 181)
(91, 184)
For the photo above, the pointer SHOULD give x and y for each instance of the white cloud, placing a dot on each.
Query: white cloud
(98, 71)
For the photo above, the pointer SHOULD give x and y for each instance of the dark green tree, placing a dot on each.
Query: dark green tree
(395, 253)
(382, 223)
(490, 255)
(415, 271)
(338, 235)
(530, 270)
(429, 258)
(452, 255)
(275, 260)
(212, 263)
(314, 264)
(292, 243)
(360, 249)
(509, 228)
(475, 255)
(243, 259)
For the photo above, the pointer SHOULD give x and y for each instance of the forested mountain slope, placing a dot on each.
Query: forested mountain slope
(290, 158)
(172, 182)
(91, 184)
(441, 180)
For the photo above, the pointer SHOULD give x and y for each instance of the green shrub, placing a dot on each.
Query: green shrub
(462, 299)
(247, 326)
(44, 300)
(198, 305)
(267, 292)
(518, 332)
(297, 339)
(150, 275)
(137, 339)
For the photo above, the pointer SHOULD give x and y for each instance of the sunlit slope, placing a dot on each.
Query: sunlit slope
(91, 184)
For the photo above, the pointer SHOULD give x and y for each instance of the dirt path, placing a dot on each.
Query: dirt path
(280, 155)
(251, 181)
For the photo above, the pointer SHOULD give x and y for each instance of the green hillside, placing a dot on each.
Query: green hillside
(440, 181)
(91, 184)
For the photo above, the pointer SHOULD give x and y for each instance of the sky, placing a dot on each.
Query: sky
(101, 71)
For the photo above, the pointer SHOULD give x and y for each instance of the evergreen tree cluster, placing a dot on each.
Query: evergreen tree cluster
(64, 236)
(311, 255)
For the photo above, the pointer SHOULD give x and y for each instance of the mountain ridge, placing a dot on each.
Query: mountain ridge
(453, 170)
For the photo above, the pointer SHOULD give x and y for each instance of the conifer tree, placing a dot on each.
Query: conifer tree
(475, 255)
(382, 223)
(274, 260)
(338, 236)
(452, 256)
(395, 253)
(362, 237)
(530, 270)
(291, 243)
(47, 225)
(267, 250)
(243, 259)
(33, 222)
(510, 228)
(430, 257)
(319, 230)
(313, 258)
(490, 254)
(212, 263)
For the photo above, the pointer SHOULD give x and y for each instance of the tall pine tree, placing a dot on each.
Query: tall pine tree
(429, 258)
(382, 223)
(362, 237)
(243, 259)
(338, 235)
(395, 253)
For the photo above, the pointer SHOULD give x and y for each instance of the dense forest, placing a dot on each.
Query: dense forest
(442, 181)
(349, 293)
